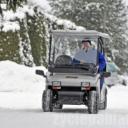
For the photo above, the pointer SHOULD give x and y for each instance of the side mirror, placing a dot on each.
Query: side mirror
(106, 74)
(40, 72)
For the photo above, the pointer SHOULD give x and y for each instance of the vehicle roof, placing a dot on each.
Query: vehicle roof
(91, 33)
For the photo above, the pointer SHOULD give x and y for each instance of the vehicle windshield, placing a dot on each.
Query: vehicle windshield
(68, 49)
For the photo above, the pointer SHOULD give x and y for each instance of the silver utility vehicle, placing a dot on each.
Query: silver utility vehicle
(69, 83)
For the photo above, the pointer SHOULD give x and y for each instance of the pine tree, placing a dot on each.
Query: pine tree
(115, 25)
(84, 12)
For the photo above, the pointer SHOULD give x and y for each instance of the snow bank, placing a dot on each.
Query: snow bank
(117, 96)
(19, 78)
(20, 87)
(20, 100)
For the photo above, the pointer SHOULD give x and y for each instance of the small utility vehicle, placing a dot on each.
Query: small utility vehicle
(74, 84)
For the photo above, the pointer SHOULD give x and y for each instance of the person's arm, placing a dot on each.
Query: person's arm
(102, 62)
(74, 61)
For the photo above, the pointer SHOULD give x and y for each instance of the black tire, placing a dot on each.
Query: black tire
(93, 102)
(47, 104)
(58, 106)
(103, 105)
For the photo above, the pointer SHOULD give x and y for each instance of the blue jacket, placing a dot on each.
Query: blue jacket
(102, 62)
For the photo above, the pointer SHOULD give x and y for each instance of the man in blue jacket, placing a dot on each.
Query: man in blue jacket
(87, 54)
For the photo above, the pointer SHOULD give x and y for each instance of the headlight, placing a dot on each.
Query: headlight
(85, 86)
(56, 85)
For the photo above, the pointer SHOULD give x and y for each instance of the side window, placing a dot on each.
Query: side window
(100, 48)
(100, 42)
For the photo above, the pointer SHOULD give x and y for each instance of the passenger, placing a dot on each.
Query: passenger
(87, 54)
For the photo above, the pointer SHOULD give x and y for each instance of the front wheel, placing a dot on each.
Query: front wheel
(93, 102)
(47, 104)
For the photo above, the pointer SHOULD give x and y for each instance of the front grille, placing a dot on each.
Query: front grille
(71, 88)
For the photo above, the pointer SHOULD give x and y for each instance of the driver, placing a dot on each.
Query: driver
(87, 54)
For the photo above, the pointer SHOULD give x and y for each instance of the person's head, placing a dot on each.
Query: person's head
(86, 44)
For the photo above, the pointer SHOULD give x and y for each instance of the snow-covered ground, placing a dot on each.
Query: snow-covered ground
(20, 103)
(20, 87)
(19, 78)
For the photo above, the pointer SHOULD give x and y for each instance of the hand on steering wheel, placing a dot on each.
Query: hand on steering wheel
(82, 62)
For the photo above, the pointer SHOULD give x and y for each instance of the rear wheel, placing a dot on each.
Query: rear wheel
(93, 102)
(47, 104)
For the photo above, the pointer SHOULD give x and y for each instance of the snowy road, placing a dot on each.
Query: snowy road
(78, 118)
(23, 110)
